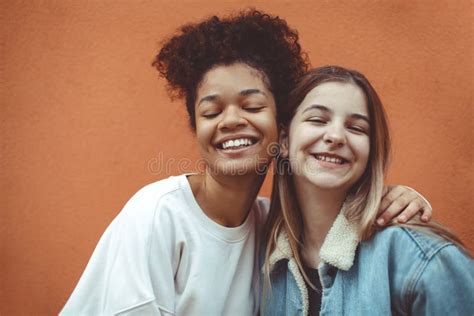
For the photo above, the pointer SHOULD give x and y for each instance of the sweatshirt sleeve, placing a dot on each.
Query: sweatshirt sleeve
(445, 285)
(117, 279)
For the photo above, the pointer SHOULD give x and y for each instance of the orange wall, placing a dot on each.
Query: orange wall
(84, 115)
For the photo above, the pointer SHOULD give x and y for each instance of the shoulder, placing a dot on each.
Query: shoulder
(149, 196)
(420, 256)
(422, 242)
(154, 211)
(123, 257)
(145, 206)
(433, 275)
(153, 192)
(421, 265)
(413, 253)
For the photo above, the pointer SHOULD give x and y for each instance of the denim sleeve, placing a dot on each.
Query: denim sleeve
(445, 284)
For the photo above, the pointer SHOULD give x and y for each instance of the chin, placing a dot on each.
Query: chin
(329, 186)
(326, 183)
(240, 168)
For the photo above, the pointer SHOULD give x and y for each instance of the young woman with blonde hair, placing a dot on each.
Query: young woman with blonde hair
(324, 252)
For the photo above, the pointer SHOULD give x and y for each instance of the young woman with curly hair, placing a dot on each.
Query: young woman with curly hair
(188, 245)
(324, 255)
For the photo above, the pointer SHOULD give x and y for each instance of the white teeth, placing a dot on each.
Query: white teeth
(237, 143)
(330, 159)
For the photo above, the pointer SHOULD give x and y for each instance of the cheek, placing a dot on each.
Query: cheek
(363, 151)
(269, 125)
(271, 128)
(203, 134)
(301, 139)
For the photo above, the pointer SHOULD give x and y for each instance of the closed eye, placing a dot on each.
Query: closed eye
(357, 129)
(210, 115)
(317, 120)
(254, 109)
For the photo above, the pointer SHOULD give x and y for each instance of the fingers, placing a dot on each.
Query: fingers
(393, 210)
(425, 208)
(427, 212)
(404, 203)
(390, 194)
(410, 211)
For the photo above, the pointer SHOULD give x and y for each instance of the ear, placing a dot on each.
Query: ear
(284, 142)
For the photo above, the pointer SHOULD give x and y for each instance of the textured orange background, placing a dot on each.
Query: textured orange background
(85, 121)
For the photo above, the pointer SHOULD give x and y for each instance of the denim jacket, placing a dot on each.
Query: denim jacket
(398, 271)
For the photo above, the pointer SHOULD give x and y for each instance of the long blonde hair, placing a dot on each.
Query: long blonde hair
(363, 200)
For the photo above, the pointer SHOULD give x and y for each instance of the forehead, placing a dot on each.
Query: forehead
(337, 96)
(237, 76)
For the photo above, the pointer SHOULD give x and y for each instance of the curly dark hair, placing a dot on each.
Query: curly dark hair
(260, 40)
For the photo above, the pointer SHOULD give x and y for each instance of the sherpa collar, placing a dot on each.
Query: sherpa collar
(338, 249)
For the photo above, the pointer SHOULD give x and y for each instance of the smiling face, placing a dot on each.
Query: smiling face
(328, 141)
(235, 119)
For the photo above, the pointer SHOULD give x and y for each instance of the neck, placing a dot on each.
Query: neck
(227, 200)
(319, 208)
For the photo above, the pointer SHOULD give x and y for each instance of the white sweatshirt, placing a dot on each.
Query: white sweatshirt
(163, 256)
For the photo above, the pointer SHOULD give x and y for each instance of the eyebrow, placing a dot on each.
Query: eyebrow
(246, 92)
(209, 98)
(251, 91)
(325, 109)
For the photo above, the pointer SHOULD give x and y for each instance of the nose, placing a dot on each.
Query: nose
(335, 135)
(232, 118)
